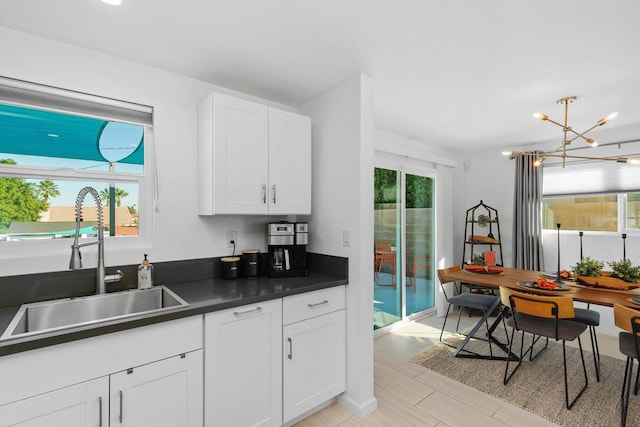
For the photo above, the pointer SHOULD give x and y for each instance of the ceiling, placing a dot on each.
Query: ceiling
(463, 74)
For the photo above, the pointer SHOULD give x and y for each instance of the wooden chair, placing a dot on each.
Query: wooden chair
(482, 302)
(418, 263)
(384, 256)
(591, 318)
(548, 317)
(628, 319)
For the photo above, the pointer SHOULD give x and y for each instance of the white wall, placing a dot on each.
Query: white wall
(342, 201)
(486, 176)
(179, 233)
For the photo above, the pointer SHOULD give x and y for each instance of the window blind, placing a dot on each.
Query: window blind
(61, 100)
(590, 178)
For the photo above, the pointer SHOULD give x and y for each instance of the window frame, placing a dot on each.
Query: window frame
(146, 182)
(621, 201)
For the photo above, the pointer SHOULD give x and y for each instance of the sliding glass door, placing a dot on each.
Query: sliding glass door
(403, 245)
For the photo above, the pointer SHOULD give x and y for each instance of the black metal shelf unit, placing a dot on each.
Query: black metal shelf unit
(483, 220)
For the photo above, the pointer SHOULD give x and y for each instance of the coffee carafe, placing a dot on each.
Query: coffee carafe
(277, 263)
(287, 253)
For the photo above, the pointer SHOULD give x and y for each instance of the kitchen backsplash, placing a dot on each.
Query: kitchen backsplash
(17, 290)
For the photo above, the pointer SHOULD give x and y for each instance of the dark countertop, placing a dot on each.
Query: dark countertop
(203, 296)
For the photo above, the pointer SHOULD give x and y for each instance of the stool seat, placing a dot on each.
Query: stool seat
(475, 301)
(588, 317)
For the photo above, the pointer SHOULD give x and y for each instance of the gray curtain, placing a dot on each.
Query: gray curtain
(527, 222)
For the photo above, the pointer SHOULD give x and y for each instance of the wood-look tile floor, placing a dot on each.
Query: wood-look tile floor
(410, 395)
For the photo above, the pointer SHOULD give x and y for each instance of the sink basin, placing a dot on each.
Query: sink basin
(40, 317)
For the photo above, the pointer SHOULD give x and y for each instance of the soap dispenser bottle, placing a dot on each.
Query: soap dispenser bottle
(145, 274)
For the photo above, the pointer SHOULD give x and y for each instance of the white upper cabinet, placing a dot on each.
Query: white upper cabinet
(252, 159)
(289, 163)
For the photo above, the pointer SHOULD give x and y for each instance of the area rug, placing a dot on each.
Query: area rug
(538, 386)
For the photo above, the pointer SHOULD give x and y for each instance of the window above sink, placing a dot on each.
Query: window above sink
(53, 142)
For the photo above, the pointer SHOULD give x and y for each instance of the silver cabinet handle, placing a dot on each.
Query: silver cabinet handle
(290, 355)
(273, 190)
(318, 303)
(264, 193)
(258, 309)
(120, 416)
(100, 410)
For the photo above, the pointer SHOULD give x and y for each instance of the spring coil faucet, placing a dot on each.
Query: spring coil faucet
(76, 256)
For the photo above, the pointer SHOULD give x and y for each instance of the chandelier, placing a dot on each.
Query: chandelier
(570, 135)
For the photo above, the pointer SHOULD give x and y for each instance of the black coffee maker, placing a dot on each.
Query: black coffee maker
(287, 248)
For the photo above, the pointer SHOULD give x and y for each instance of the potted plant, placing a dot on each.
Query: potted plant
(483, 220)
(626, 271)
(624, 275)
(477, 259)
(588, 267)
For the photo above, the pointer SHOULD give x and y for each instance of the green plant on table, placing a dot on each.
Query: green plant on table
(588, 267)
(477, 259)
(626, 271)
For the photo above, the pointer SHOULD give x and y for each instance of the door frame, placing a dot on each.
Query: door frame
(406, 165)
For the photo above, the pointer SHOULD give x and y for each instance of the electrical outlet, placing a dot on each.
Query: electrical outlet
(232, 238)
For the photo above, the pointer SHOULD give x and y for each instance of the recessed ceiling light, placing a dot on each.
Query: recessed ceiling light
(112, 2)
(53, 135)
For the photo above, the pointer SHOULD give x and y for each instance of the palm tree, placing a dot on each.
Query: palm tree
(48, 189)
(120, 193)
(104, 195)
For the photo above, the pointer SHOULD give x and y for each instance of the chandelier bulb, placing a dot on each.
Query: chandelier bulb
(633, 161)
(605, 120)
(540, 116)
(507, 153)
(592, 142)
(537, 162)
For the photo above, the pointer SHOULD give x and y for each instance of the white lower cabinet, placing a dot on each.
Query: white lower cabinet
(150, 376)
(85, 404)
(243, 366)
(165, 393)
(314, 350)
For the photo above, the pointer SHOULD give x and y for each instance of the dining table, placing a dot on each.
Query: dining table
(520, 279)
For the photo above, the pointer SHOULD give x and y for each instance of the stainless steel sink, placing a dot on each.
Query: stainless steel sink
(59, 314)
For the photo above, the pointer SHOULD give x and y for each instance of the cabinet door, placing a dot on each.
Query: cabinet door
(243, 366)
(289, 163)
(314, 362)
(164, 393)
(84, 404)
(240, 156)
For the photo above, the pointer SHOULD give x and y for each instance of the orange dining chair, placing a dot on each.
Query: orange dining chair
(384, 256)
(547, 317)
(628, 319)
(591, 318)
(419, 263)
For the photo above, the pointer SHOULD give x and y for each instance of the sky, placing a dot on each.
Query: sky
(69, 189)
